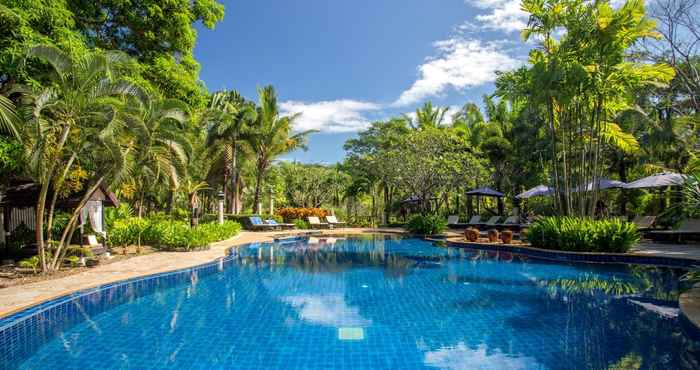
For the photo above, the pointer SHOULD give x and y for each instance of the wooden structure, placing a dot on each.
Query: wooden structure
(18, 205)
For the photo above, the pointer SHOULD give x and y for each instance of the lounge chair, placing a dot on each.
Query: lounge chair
(644, 223)
(474, 221)
(453, 222)
(510, 223)
(689, 229)
(96, 247)
(256, 223)
(491, 223)
(282, 226)
(333, 221)
(317, 224)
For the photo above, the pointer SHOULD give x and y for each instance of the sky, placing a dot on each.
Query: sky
(345, 64)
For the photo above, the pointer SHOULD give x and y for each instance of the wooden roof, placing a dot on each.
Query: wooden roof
(26, 195)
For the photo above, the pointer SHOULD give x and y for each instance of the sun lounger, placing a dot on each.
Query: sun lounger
(491, 223)
(510, 223)
(317, 224)
(689, 229)
(453, 222)
(644, 223)
(333, 221)
(256, 223)
(282, 226)
(474, 221)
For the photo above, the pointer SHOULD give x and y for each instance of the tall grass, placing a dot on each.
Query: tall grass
(583, 234)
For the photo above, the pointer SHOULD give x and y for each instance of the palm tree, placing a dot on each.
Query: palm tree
(429, 116)
(229, 116)
(271, 135)
(74, 118)
(8, 117)
(161, 152)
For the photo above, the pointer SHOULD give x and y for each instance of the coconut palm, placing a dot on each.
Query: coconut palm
(74, 119)
(228, 117)
(429, 116)
(270, 136)
(161, 151)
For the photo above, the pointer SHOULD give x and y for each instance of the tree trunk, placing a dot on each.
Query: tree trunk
(258, 189)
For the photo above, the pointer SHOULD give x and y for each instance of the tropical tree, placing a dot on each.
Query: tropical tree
(270, 136)
(229, 116)
(160, 150)
(582, 81)
(429, 116)
(73, 123)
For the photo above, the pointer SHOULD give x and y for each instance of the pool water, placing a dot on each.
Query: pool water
(370, 302)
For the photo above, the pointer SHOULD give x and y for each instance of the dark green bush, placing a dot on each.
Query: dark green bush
(168, 234)
(583, 234)
(427, 225)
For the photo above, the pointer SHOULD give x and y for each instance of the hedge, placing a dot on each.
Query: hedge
(583, 234)
(168, 234)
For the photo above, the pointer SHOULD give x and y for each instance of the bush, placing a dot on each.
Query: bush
(168, 234)
(289, 214)
(583, 234)
(301, 224)
(427, 225)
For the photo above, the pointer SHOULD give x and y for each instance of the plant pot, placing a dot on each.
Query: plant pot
(471, 234)
(507, 237)
(493, 236)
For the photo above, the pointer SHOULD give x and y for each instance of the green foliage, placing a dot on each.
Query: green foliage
(166, 234)
(31, 262)
(691, 192)
(427, 225)
(77, 251)
(301, 224)
(583, 234)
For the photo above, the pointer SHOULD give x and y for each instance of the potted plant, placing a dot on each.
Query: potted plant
(507, 236)
(493, 235)
(471, 234)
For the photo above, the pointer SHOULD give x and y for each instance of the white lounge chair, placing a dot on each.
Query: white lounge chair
(333, 221)
(317, 224)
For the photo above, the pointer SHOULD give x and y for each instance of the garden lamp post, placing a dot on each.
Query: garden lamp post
(272, 200)
(221, 207)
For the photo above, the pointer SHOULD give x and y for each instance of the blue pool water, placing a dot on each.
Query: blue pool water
(371, 302)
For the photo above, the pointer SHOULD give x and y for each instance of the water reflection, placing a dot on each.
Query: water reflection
(390, 302)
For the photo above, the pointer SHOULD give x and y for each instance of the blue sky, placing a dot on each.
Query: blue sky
(344, 64)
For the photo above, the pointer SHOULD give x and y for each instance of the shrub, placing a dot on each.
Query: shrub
(289, 214)
(583, 234)
(301, 224)
(427, 225)
(168, 234)
(75, 251)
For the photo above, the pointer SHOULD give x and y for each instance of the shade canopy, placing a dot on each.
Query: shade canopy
(537, 191)
(659, 180)
(603, 184)
(488, 192)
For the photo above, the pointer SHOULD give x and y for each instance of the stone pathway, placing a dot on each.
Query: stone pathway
(689, 251)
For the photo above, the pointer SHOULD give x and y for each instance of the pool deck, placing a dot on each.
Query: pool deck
(18, 297)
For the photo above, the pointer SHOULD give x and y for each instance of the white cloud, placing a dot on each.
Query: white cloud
(327, 310)
(330, 116)
(460, 63)
(463, 357)
(503, 15)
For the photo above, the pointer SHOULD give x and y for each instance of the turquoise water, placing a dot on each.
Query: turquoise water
(374, 302)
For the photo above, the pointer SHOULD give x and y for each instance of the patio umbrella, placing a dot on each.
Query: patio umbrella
(604, 184)
(657, 181)
(488, 192)
(537, 191)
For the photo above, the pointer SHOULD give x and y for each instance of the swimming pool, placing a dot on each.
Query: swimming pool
(369, 302)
